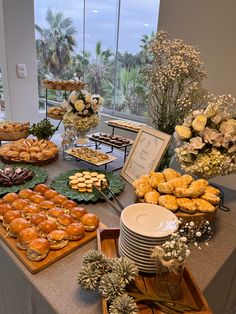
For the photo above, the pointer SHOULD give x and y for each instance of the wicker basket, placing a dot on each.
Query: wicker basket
(13, 136)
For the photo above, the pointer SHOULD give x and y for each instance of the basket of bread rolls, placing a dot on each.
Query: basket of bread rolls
(11, 131)
(32, 151)
(189, 199)
(56, 112)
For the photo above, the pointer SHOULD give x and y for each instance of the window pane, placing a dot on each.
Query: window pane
(138, 20)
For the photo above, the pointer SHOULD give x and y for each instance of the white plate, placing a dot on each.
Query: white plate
(149, 220)
(141, 237)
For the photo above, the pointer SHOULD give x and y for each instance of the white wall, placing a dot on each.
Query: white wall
(17, 33)
(210, 25)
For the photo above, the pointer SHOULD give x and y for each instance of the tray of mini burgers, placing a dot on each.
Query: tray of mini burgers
(41, 225)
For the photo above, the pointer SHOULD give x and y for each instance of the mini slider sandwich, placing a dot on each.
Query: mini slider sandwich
(38, 249)
(58, 239)
(25, 236)
(90, 222)
(75, 231)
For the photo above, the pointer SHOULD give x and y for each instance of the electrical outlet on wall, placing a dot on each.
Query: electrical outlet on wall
(21, 70)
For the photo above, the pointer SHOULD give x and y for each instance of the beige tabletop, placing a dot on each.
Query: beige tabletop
(55, 289)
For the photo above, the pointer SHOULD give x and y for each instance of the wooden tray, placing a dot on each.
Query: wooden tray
(100, 163)
(109, 143)
(52, 257)
(107, 241)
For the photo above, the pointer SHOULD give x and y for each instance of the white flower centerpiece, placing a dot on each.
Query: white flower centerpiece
(207, 139)
(82, 112)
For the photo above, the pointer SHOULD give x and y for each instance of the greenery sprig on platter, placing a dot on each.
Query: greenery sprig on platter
(60, 184)
(40, 176)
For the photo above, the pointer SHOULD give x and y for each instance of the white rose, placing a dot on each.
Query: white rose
(73, 97)
(101, 100)
(79, 105)
(183, 132)
(88, 98)
(199, 123)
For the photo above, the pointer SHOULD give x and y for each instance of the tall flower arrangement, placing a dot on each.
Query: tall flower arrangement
(174, 77)
(82, 110)
(207, 138)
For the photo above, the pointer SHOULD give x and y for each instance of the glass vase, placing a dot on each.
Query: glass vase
(168, 281)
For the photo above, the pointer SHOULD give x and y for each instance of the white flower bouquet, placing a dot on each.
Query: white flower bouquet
(82, 110)
(208, 139)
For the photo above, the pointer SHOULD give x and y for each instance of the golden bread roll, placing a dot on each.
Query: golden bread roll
(186, 205)
(47, 153)
(12, 154)
(166, 188)
(212, 189)
(203, 206)
(211, 198)
(152, 197)
(200, 183)
(25, 156)
(170, 174)
(187, 179)
(155, 178)
(169, 202)
(142, 189)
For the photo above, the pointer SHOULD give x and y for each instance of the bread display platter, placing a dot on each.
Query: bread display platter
(11, 131)
(56, 112)
(106, 159)
(55, 117)
(40, 250)
(127, 125)
(111, 139)
(107, 242)
(189, 199)
(29, 151)
(39, 176)
(61, 184)
(63, 85)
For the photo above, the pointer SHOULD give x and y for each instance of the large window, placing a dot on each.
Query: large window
(101, 42)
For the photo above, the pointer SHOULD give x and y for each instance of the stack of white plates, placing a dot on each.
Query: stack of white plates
(143, 226)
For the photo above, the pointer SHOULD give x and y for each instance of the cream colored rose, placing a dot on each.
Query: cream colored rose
(79, 105)
(88, 98)
(199, 123)
(73, 97)
(228, 127)
(183, 132)
(100, 101)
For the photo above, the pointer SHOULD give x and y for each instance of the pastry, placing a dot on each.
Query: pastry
(186, 205)
(142, 180)
(211, 198)
(178, 183)
(169, 202)
(142, 189)
(166, 188)
(187, 179)
(170, 174)
(155, 178)
(212, 189)
(203, 206)
(200, 183)
(152, 197)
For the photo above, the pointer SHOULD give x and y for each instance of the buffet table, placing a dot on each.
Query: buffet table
(55, 289)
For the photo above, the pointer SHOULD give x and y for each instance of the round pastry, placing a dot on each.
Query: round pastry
(17, 225)
(9, 216)
(45, 205)
(3, 209)
(26, 193)
(90, 222)
(59, 199)
(64, 220)
(58, 239)
(10, 197)
(78, 212)
(35, 219)
(20, 204)
(75, 231)
(37, 198)
(30, 209)
(54, 213)
(38, 249)
(41, 188)
(69, 204)
(49, 194)
(45, 227)
(48, 153)
(169, 202)
(25, 236)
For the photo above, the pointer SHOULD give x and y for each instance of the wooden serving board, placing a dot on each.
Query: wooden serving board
(52, 257)
(100, 163)
(107, 242)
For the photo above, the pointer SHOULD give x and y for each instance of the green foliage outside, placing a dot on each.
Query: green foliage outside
(57, 59)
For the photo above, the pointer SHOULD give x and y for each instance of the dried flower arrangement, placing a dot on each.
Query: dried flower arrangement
(174, 77)
(207, 139)
(115, 280)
